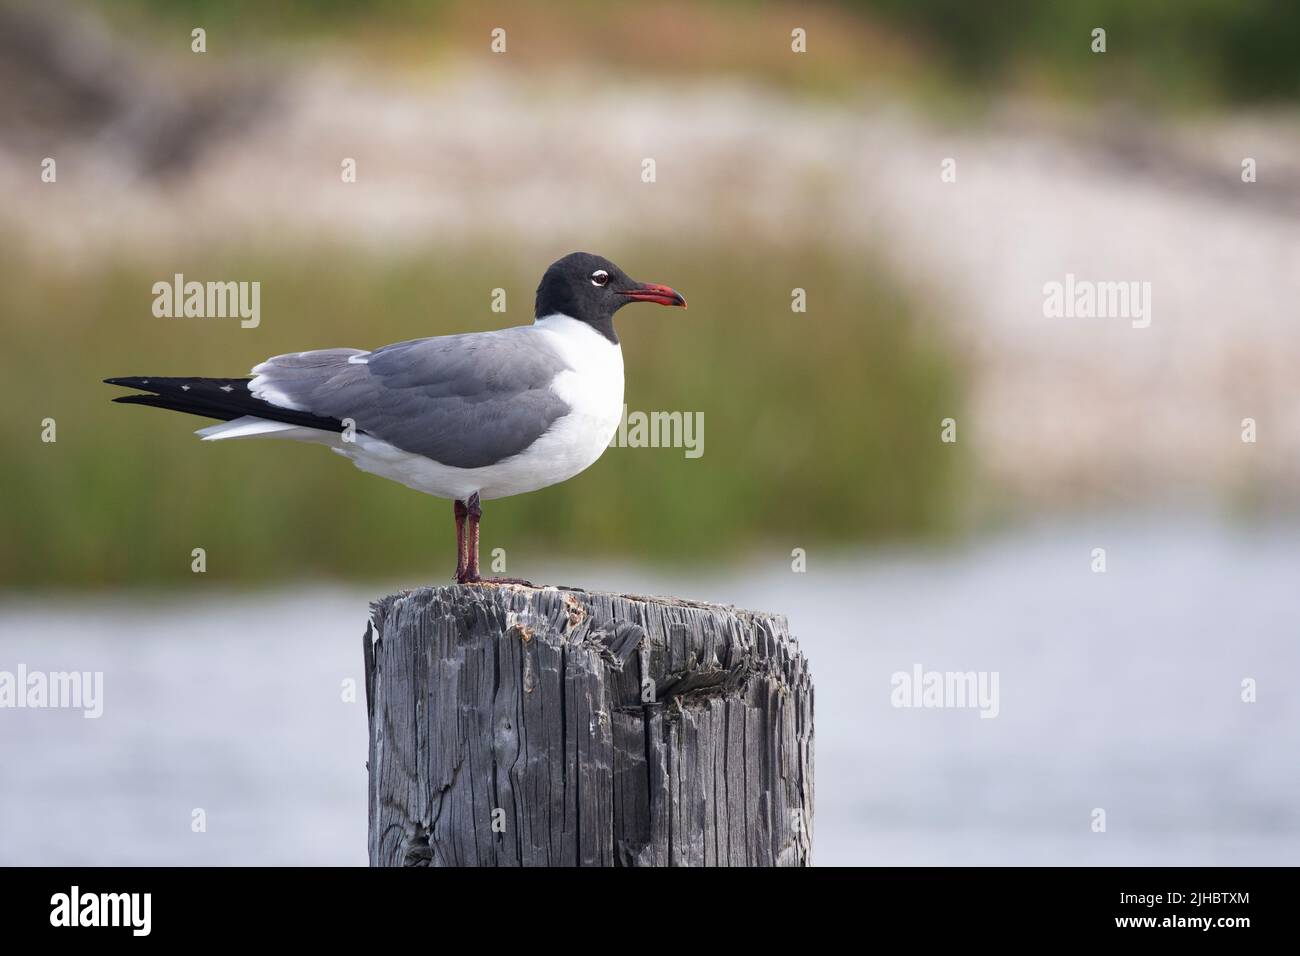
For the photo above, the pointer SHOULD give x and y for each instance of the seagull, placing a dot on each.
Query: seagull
(467, 417)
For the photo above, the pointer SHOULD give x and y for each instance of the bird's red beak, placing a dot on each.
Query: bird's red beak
(651, 292)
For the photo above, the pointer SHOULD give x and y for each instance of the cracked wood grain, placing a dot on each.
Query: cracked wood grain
(514, 726)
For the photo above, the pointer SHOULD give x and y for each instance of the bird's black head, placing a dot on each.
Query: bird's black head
(591, 289)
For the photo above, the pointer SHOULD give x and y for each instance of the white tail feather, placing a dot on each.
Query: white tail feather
(248, 427)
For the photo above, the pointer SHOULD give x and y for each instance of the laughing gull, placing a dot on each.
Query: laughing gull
(467, 417)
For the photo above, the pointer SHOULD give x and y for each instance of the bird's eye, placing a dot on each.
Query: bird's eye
(599, 277)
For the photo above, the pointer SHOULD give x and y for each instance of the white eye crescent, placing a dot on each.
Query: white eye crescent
(599, 277)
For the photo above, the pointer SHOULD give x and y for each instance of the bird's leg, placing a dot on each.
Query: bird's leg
(475, 511)
(462, 564)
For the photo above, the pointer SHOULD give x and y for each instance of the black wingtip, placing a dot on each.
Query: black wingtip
(224, 399)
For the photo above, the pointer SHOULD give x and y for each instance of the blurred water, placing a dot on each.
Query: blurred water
(1118, 690)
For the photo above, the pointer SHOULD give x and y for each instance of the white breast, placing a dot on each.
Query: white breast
(592, 387)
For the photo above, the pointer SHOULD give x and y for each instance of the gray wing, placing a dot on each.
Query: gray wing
(463, 400)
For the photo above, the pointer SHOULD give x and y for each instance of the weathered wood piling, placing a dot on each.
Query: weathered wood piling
(516, 726)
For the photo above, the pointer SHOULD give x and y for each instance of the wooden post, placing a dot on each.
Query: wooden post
(515, 726)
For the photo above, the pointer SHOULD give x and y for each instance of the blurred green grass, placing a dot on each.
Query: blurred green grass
(820, 428)
(1175, 52)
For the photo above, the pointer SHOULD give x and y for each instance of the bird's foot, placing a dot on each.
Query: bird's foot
(475, 579)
